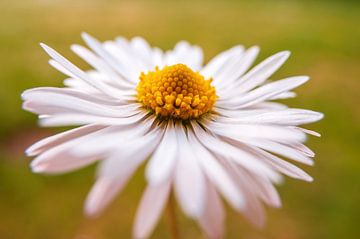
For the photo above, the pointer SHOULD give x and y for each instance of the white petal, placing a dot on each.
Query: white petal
(235, 68)
(190, 187)
(115, 171)
(80, 119)
(104, 191)
(60, 158)
(262, 186)
(231, 153)
(212, 221)
(101, 66)
(76, 72)
(162, 163)
(260, 73)
(216, 173)
(73, 103)
(285, 95)
(143, 50)
(262, 93)
(280, 149)
(52, 141)
(185, 53)
(286, 168)
(260, 131)
(97, 47)
(216, 63)
(151, 206)
(278, 117)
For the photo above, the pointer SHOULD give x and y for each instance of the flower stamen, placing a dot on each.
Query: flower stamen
(176, 91)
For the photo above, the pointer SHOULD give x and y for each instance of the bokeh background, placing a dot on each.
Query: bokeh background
(324, 38)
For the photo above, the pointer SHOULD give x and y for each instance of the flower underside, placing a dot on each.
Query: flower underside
(176, 92)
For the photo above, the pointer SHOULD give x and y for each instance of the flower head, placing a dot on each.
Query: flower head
(204, 131)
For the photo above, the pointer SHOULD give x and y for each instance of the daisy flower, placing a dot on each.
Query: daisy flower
(206, 132)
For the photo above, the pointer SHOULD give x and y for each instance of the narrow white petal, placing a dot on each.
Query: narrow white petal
(257, 131)
(104, 191)
(237, 66)
(219, 60)
(77, 103)
(97, 47)
(116, 170)
(262, 93)
(231, 153)
(101, 66)
(162, 163)
(189, 180)
(52, 141)
(76, 72)
(260, 73)
(212, 221)
(80, 119)
(216, 174)
(280, 149)
(151, 206)
(288, 117)
(285, 167)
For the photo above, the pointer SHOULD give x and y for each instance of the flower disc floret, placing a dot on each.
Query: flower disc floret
(176, 91)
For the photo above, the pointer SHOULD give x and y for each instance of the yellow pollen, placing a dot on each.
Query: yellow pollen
(176, 91)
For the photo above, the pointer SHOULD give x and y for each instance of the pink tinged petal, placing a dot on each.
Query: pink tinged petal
(185, 53)
(212, 221)
(281, 149)
(254, 210)
(52, 141)
(63, 70)
(99, 49)
(115, 171)
(60, 103)
(162, 163)
(307, 131)
(219, 60)
(285, 167)
(104, 191)
(62, 162)
(269, 105)
(110, 141)
(217, 174)
(257, 131)
(189, 180)
(260, 73)
(237, 155)
(149, 211)
(261, 186)
(101, 66)
(143, 50)
(238, 65)
(288, 117)
(60, 158)
(285, 95)
(80, 119)
(76, 72)
(262, 93)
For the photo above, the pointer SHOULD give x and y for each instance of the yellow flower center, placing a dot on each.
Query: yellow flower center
(176, 91)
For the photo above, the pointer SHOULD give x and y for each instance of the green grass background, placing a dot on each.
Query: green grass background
(324, 38)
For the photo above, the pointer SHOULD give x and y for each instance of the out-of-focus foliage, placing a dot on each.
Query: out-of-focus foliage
(324, 37)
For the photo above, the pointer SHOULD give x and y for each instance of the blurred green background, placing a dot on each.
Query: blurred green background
(324, 38)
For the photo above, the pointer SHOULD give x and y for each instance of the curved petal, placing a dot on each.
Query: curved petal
(115, 171)
(151, 206)
(162, 163)
(212, 221)
(189, 180)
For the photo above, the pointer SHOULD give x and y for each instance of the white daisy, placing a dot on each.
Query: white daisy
(204, 131)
